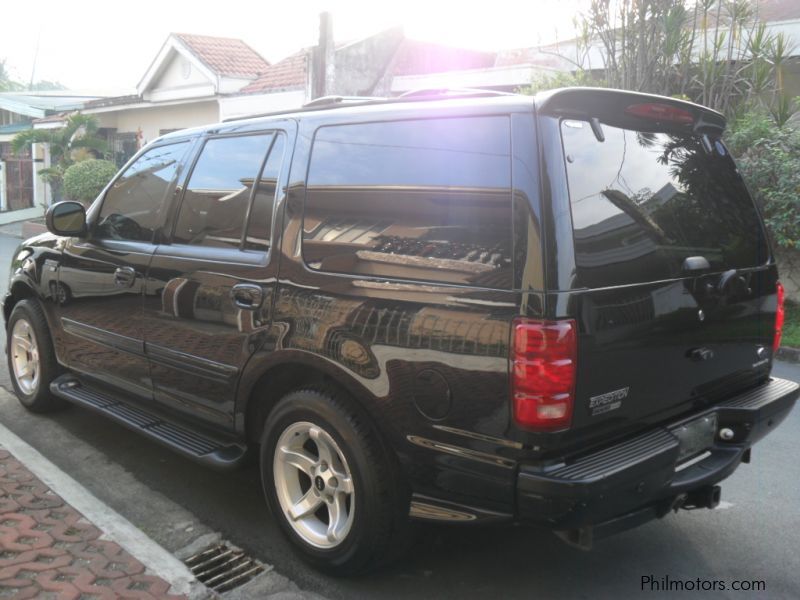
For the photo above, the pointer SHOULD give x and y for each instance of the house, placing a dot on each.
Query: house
(182, 87)
(19, 188)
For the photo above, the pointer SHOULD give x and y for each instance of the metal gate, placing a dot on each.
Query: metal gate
(19, 183)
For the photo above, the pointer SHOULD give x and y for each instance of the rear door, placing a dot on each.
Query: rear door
(672, 288)
(209, 289)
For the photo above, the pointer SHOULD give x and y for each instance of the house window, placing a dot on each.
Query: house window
(124, 146)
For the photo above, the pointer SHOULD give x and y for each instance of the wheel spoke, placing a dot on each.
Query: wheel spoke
(323, 447)
(22, 342)
(305, 506)
(337, 517)
(23, 370)
(345, 483)
(299, 459)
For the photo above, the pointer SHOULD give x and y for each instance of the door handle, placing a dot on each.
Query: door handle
(247, 296)
(124, 276)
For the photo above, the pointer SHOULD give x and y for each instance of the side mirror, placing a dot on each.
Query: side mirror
(66, 218)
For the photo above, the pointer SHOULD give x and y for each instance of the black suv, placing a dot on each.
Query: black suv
(560, 309)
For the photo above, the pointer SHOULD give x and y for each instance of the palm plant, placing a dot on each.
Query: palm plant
(76, 141)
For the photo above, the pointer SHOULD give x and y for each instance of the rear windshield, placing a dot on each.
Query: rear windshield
(642, 202)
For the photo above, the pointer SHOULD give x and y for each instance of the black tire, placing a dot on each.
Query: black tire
(380, 529)
(37, 398)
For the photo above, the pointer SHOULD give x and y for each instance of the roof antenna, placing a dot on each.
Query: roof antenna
(35, 58)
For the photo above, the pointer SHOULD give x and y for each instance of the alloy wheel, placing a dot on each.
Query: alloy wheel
(313, 484)
(25, 357)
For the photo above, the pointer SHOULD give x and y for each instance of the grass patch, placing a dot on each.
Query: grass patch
(791, 326)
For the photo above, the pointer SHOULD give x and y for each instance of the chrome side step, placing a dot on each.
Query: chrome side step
(183, 440)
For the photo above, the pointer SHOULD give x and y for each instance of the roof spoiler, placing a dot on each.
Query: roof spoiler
(624, 108)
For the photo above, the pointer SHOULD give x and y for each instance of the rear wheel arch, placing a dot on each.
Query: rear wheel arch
(283, 378)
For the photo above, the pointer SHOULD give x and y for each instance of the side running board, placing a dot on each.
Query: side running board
(185, 441)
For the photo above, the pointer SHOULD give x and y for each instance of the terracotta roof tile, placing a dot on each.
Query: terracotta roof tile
(229, 57)
(287, 74)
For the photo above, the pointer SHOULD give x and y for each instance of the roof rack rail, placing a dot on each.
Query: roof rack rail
(343, 101)
(334, 100)
(451, 92)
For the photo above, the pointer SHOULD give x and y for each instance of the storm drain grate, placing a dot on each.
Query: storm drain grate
(223, 568)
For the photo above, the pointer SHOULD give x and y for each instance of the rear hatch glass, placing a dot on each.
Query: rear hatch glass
(643, 201)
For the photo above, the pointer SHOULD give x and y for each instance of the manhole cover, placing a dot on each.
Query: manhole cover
(223, 568)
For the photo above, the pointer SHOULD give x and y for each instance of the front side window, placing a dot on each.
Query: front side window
(259, 225)
(426, 200)
(217, 197)
(132, 207)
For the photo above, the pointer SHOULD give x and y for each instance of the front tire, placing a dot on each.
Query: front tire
(331, 484)
(32, 361)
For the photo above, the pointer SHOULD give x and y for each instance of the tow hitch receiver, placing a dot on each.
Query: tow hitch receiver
(584, 537)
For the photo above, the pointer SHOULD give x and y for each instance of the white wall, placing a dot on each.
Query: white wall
(232, 107)
(152, 119)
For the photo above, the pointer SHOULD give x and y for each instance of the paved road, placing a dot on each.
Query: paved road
(754, 536)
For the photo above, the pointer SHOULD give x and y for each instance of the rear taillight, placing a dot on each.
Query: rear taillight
(780, 313)
(543, 371)
(661, 112)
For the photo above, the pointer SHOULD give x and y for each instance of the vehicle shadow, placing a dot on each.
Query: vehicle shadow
(444, 561)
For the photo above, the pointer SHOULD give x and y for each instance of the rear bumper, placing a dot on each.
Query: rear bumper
(641, 478)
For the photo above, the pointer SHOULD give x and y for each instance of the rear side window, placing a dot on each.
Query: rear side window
(217, 197)
(132, 207)
(642, 202)
(426, 200)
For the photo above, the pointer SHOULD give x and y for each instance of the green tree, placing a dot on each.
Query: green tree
(6, 83)
(76, 141)
(45, 85)
(768, 156)
(83, 181)
(715, 52)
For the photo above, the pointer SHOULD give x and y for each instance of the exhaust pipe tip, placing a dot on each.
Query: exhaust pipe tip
(714, 496)
(706, 497)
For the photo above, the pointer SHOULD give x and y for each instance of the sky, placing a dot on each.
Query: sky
(91, 45)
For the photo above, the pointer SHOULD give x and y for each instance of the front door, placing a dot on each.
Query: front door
(209, 290)
(100, 281)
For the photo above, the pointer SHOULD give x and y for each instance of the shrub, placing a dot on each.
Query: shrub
(83, 181)
(769, 159)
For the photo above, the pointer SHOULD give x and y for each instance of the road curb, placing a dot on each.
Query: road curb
(114, 526)
(787, 354)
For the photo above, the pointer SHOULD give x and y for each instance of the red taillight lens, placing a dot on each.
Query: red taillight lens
(543, 370)
(661, 112)
(780, 314)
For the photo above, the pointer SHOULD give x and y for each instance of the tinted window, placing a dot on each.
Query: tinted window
(215, 203)
(642, 202)
(132, 206)
(259, 226)
(426, 200)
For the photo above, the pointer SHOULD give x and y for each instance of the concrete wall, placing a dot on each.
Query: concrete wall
(361, 66)
(789, 271)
